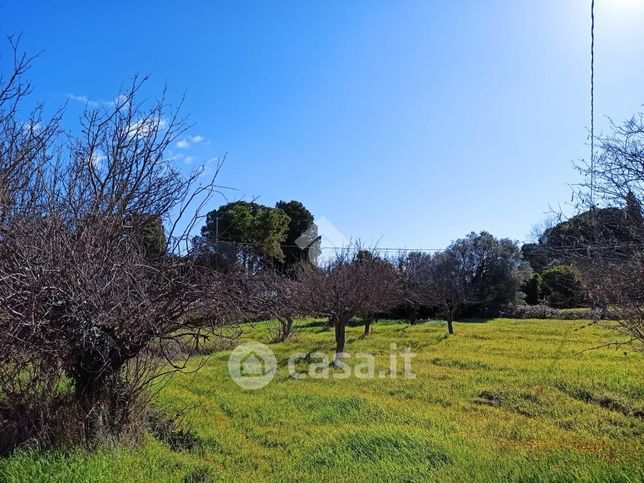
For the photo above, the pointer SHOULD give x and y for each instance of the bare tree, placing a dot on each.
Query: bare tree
(25, 142)
(438, 281)
(88, 318)
(413, 268)
(272, 295)
(448, 285)
(386, 291)
(351, 284)
(613, 262)
(288, 303)
(618, 168)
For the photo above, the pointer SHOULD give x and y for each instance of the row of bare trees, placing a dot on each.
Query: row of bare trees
(478, 273)
(355, 283)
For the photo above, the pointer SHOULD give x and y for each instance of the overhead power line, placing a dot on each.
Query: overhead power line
(616, 245)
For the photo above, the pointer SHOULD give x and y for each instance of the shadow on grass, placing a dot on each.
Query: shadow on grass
(313, 323)
(474, 320)
(356, 322)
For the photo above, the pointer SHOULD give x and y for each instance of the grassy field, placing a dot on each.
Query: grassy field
(505, 400)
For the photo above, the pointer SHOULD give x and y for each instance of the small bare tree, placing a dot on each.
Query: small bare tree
(386, 291)
(272, 295)
(353, 283)
(413, 269)
(287, 304)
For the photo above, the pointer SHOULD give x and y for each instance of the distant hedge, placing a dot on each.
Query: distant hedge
(546, 312)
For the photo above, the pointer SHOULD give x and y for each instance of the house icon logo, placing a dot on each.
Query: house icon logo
(252, 365)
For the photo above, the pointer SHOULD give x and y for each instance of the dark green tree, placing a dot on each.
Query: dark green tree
(562, 287)
(302, 241)
(247, 232)
(537, 255)
(532, 290)
(619, 229)
(494, 270)
(635, 218)
(151, 236)
(478, 274)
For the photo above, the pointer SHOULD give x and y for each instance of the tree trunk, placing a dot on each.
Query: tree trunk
(286, 327)
(367, 327)
(340, 337)
(413, 315)
(197, 341)
(100, 410)
(450, 318)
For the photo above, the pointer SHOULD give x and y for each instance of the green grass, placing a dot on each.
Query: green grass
(507, 400)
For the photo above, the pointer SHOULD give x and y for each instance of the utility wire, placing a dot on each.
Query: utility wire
(345, 247)
(616, 245)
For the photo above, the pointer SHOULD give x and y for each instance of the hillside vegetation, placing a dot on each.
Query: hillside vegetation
(503, 400)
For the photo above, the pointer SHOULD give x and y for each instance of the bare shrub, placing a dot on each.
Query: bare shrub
(98, 283)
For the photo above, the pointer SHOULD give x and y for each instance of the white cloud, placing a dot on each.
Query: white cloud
(32, 126)
(83, 100)
(97, 159)
(93, 104)
(189, 141)
(180, 157)
(120, 100)
(144, 127)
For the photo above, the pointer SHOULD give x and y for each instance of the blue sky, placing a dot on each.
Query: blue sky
(405, 122)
